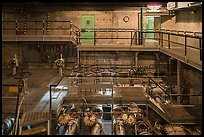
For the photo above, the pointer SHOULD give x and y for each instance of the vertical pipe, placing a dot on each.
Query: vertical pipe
(185, 43)
(70, 28)
(94, 37)
(60, 72)
(43, 27)
(50, 97)
(78, 57)
(138, 29)
(49, 126)
(178, 81)
(168, 40)
(200, 44)
(135, 37)
(131, 38)
(136, 58)
(112, 110)
(141, 26)
(25, 24)
(79, 37)
(16, 27)
(47, 27)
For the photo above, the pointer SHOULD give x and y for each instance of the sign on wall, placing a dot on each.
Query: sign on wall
(171, 5)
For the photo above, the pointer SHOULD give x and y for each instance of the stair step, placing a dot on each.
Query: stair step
(35, 130)
(32, 118)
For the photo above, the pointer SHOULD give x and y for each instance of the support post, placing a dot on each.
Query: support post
(49, 126)
(141, 26)
(43, 27)
(16, 27)
(78, 57)
(200, 44)
(70, 28)
(185, 44)
(178, 81)
(136, 58)
(168, 40)
(60, 72)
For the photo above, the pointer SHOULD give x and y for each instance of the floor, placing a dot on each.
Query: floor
(37, 98)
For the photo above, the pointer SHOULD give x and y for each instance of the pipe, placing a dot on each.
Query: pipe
(119, 129)
(7, 126)
(97, 128)
(71, 127)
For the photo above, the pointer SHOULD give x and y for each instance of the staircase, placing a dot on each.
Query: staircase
(178, 114)
(35, 123)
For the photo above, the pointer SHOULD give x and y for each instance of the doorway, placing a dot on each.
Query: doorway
(150, 27)
(88, 22)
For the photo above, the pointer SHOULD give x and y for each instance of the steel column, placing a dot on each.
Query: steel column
(178, 81)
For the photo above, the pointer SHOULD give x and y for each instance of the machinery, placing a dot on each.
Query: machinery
(92, 119)
(130, 121)
(7, 126)
(13, 64)
(23, 88)
(70, 120)
(60, 64)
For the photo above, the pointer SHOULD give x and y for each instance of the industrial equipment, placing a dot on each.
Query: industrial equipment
(92, 119)
(70, 120)
(13, 64)
(7, 126)
(60, 64)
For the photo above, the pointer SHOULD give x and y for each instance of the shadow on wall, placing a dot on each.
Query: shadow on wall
(166, 18)
(189, 15)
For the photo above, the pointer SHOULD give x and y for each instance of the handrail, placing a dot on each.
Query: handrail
(128, 36)
(53, 85)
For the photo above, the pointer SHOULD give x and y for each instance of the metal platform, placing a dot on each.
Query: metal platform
(31, 118)
(38, 38)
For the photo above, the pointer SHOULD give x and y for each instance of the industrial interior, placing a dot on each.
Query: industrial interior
(94, 68)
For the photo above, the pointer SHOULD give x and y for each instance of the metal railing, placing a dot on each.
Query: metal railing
(40, 28)
(185, 40)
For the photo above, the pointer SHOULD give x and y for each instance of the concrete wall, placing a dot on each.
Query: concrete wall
(194, 77)
(184, 20)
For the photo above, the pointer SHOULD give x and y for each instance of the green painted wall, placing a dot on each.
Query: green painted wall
(149, 25)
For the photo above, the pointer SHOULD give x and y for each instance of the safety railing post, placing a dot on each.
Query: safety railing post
(185, 40)
(70, 28)
(79, 37)
(168, 40)
(162, 39)
(94, 37)
(159, 38)
(135, 37)
(16, 27)
(131, 38)
(50, 97)
(43, 27)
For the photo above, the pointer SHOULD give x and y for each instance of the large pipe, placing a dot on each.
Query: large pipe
(7, 126)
